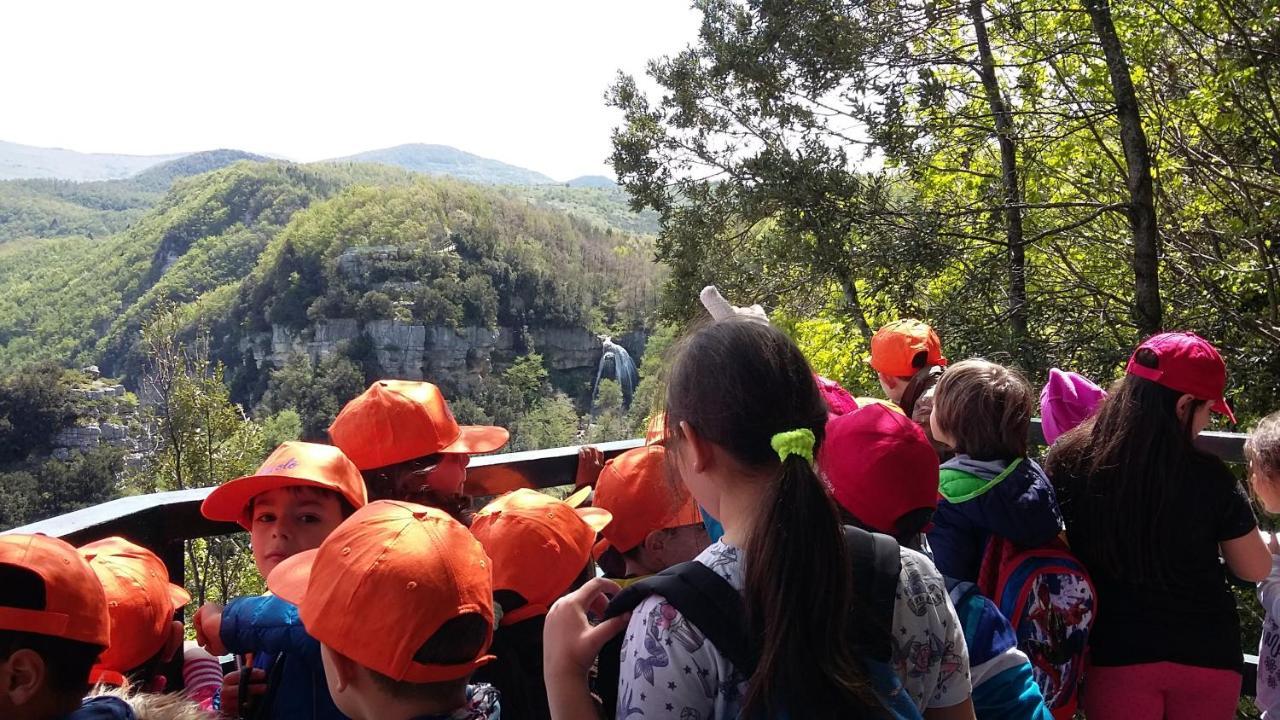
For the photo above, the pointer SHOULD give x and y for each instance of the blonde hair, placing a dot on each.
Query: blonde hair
(985, 408)
(1262, 447)
(155, 706)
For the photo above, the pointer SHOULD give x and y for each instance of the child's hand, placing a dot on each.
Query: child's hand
(570, 642)
(231, 689)
(590, 465)
(208, 626)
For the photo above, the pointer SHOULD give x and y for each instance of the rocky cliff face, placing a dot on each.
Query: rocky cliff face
(106, 415)
(418, 352)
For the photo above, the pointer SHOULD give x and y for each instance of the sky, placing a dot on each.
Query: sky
(520, 82)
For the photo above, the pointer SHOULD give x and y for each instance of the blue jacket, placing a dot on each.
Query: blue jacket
(102, 708)
(1003, 686)
(984, 498)
(270, 628)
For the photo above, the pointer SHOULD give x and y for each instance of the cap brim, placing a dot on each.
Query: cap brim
(600, 548)
(290, 578)
(475, 439)
(579, 496)
(595, 518)
(1222, 408)
(179, 596)
(229, 501)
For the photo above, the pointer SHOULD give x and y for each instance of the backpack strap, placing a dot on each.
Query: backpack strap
(706, 600)
(876, 567)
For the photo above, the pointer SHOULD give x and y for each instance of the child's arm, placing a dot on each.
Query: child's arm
(267, 624)
(1247, 556)
(1269, 588)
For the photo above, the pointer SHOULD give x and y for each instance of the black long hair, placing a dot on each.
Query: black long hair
(738, 384)
(1121, 467)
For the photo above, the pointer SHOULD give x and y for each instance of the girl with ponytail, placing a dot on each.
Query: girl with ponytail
(744, 420)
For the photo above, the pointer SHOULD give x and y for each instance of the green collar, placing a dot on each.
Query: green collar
(958, 486)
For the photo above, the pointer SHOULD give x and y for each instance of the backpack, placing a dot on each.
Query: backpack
(1051, 602)
(715, 607)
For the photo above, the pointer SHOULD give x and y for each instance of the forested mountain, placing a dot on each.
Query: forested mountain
(592, 181)
(455, 163)
(26, 161)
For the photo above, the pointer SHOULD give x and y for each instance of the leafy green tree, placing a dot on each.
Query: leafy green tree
(315, 391)
(281, 427)
(34, 405)
(551, 422)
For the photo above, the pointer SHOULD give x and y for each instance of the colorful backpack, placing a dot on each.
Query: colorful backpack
(1050, 600)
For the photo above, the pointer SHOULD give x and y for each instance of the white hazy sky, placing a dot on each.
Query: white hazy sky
(520, 82)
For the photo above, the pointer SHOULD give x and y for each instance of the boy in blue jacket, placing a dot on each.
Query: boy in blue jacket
(990, 488)
(299, 495)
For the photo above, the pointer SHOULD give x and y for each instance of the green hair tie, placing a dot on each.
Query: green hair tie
(794, 442)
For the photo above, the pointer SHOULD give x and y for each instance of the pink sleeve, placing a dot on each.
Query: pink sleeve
(201, 674)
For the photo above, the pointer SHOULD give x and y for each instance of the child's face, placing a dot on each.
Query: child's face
(288, 520)
(1267, 488)
(939, 433)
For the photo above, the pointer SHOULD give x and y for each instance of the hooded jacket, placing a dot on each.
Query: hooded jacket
(144, 706)
(271, 629)
(981, 498)
(102, 708)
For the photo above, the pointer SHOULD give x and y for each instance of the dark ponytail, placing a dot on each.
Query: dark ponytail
(738, 384)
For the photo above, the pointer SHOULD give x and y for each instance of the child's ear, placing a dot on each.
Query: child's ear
(174, 643)
(23, 676)
(697, 447)
(1183, 408)
(340, 669)
(656, 541)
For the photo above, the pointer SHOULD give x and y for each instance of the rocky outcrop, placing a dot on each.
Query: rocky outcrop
(417, 352)
(105, 415)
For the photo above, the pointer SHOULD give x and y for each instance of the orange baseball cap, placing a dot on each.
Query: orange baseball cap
(293, 464)
(895, 346)
(398, 420)
(384, 582)
(538, 545)
(634, 486)
(75, 605)
(140, 600)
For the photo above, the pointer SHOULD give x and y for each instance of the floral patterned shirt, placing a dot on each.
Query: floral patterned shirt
(668, 669)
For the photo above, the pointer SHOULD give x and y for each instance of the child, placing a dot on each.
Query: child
(297, 497)
(907, 358)
(541, 549)
(1148, 514)
(884, 473)
(53, 625)
(990, 488)
(656, 523)
(142, 603)
(400, 598)
(745, 419)
(1067, 400)
(1262, 450)
(408, 447)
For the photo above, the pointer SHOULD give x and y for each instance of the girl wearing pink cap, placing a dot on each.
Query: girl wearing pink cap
(1149, 514)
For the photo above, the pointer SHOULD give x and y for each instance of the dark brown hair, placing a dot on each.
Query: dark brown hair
(925, 377)
(985, 408)
(407, 481)
(737, 384)
(67, 662)
(457, 641)
(1120, 467)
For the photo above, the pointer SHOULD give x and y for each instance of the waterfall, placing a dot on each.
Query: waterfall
(619, 365)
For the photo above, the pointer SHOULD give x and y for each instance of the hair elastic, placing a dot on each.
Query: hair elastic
(794, 442)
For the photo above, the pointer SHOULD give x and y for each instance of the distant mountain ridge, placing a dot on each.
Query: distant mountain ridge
(450, 161)
(27, 161)
(592, 181)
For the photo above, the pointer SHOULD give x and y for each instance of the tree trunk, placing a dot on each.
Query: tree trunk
(854, 305)
(1017, 257)
(1137, 155)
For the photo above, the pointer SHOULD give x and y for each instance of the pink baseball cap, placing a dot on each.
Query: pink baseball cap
(1067, 400)
(1187, 363)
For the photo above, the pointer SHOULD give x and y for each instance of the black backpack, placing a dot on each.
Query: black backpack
(715, 608)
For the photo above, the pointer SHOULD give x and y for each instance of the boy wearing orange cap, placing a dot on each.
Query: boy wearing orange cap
(400, 598)
(53, 625)
(541, 549)
(141, 602)
(408, 446)
(656, 523)
(299, 495)
(907, 357)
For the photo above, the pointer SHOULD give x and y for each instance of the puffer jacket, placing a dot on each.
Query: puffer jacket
(102, 708)
(984, 498)
(271, 629)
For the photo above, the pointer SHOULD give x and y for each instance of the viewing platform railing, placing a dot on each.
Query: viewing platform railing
(162, 521)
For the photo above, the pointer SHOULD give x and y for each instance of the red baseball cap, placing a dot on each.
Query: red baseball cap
(1187, 363)
(398, 420)
(895, 346)
(635, 488)
(880, 465)
(140, 600)
(384, 582)
(75, 605)
(293, 464)
(538, 545)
